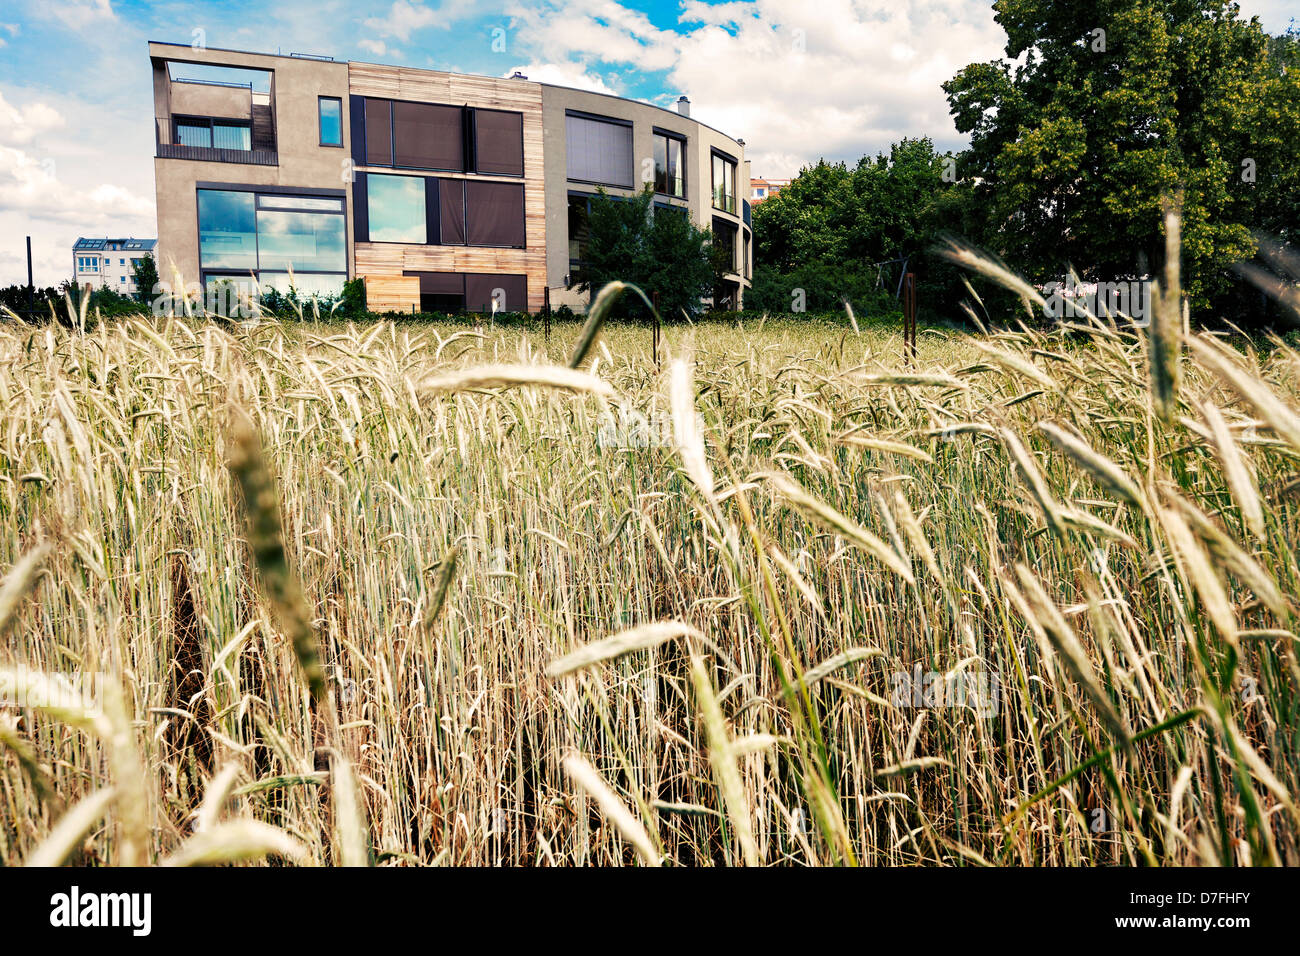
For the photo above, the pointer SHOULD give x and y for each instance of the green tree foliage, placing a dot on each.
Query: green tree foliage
(660, 250)
(827, 230)
(353, 300)
(1114, 103)
(145, 273)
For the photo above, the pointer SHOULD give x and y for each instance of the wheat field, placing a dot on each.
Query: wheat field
(394, 595)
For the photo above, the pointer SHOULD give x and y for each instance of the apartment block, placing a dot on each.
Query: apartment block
(760, 188)
(109, 263)
(443, 191)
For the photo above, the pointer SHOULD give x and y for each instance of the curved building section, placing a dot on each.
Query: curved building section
(443, 191)
(594, 141)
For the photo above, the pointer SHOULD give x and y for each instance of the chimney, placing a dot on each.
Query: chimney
(683, 106)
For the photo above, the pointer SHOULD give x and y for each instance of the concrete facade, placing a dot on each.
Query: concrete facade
(300, 161)
(701, 141)
(286, 154)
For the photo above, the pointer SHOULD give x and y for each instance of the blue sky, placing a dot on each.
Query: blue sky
(796, 79)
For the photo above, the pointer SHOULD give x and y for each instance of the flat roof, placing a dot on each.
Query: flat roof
(558, 86)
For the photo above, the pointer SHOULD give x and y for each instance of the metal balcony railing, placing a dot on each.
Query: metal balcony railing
(199, 82)
(221, 141)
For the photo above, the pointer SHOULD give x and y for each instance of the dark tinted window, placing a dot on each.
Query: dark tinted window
(494, 214)
(441, 291)
(579, 228)
(670, 165)
(428, 137)
(499, 142)
(510, 292)
(379, 133)
(451, 193)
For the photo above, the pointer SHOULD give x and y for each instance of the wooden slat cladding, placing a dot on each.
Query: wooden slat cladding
(389, 259)
(432, 86)
(389, 293)
(405, 83)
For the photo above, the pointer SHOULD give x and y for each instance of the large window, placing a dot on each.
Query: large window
(396, 208)
(301, 241)
(331, 121)
(599, 150)
(724, 183)
(437, 211)
(273, 235)
(670, 164)
(409, 135)
(227, 229)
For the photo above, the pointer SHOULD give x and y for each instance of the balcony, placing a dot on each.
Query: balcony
(217, 122)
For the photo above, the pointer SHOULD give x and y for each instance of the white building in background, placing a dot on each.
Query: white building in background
(109, 263)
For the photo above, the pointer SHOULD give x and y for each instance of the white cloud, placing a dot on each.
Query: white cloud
(563, 74)
(402, 18)
(797, 81)
(377, 47)
(30, 185)
(35, 202)
(79, 14)
(20, 125)
(589, 30)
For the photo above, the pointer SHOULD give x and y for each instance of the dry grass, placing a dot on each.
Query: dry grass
(477, 620)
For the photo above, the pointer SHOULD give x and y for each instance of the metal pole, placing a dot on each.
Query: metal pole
(546, 315)
(654, 341)
(909, 315)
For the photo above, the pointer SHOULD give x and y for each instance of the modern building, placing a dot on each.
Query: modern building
(109, 263)
(760, 189)
(442, 191)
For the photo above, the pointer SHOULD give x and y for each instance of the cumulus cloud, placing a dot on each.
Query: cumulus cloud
(797, 81)
(80, 14)
(19, 125)
(403, 18)
(589, 30)
(378, 48)
(563, 74)
(30, 185)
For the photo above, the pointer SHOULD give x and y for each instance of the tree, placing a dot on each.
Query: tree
(145, 273)
(1114, 104)
(829, 229)
(656, 248)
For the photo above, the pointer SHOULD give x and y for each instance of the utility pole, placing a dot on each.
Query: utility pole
(31, 290)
